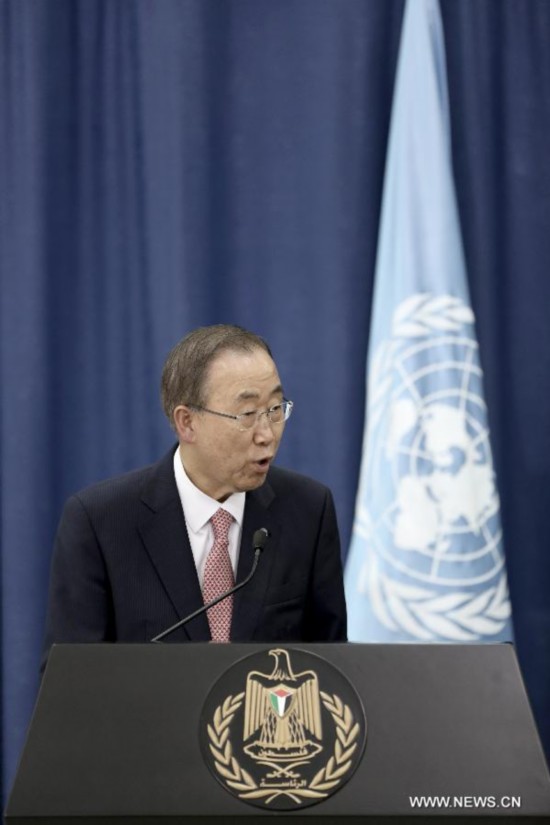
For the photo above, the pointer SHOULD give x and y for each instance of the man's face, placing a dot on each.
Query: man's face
(219, 458)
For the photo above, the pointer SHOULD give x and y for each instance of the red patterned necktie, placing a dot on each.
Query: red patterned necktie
(218, 577)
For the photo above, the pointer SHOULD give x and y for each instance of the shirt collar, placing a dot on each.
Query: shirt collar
(198, 507)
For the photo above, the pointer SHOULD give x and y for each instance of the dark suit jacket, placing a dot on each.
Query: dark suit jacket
(123, 569)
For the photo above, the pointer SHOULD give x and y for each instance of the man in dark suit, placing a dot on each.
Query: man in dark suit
(136, 553)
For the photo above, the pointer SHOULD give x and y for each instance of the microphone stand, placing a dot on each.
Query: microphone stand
(259, 546)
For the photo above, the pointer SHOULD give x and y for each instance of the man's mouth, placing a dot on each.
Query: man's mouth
(263, 463)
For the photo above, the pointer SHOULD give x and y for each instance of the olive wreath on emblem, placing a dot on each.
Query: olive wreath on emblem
(324, 780)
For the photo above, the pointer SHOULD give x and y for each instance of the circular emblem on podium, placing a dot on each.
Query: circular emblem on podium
(283, 729)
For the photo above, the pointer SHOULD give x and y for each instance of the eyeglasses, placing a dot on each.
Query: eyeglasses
(248, 420)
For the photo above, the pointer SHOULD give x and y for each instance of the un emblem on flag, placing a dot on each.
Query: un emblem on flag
(429, 511)
(283, 729)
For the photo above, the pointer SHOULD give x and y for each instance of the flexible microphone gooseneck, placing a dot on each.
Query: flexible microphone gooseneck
(258, 542)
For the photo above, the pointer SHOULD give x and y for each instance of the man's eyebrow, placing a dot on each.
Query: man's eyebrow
(247, 395)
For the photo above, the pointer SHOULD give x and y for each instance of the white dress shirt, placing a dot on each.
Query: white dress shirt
(198, 509)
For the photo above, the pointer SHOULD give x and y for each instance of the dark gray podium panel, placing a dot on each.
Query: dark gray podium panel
(114, 737)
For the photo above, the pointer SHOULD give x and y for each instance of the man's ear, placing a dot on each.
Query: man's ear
(184, 421)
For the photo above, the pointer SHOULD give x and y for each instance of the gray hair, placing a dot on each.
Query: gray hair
(184, 373)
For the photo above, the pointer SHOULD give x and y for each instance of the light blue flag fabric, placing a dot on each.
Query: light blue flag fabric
(426, 561)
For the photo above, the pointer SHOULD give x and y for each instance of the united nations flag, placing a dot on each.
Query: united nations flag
(426, 561)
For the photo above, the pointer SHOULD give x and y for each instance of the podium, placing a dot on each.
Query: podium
(118, 736)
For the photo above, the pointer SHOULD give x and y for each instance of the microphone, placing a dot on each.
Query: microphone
(259, 540)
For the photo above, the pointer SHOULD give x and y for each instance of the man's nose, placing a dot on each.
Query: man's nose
(264, 430)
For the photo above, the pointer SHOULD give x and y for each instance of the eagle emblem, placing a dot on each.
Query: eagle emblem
(273, 737)
(282, 713)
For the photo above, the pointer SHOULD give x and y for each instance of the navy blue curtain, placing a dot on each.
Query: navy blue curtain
(184, 162)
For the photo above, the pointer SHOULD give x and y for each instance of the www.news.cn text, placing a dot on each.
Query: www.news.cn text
(457, 802)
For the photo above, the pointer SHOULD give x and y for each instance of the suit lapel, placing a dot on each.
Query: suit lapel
(248, 602)
(163, 531)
